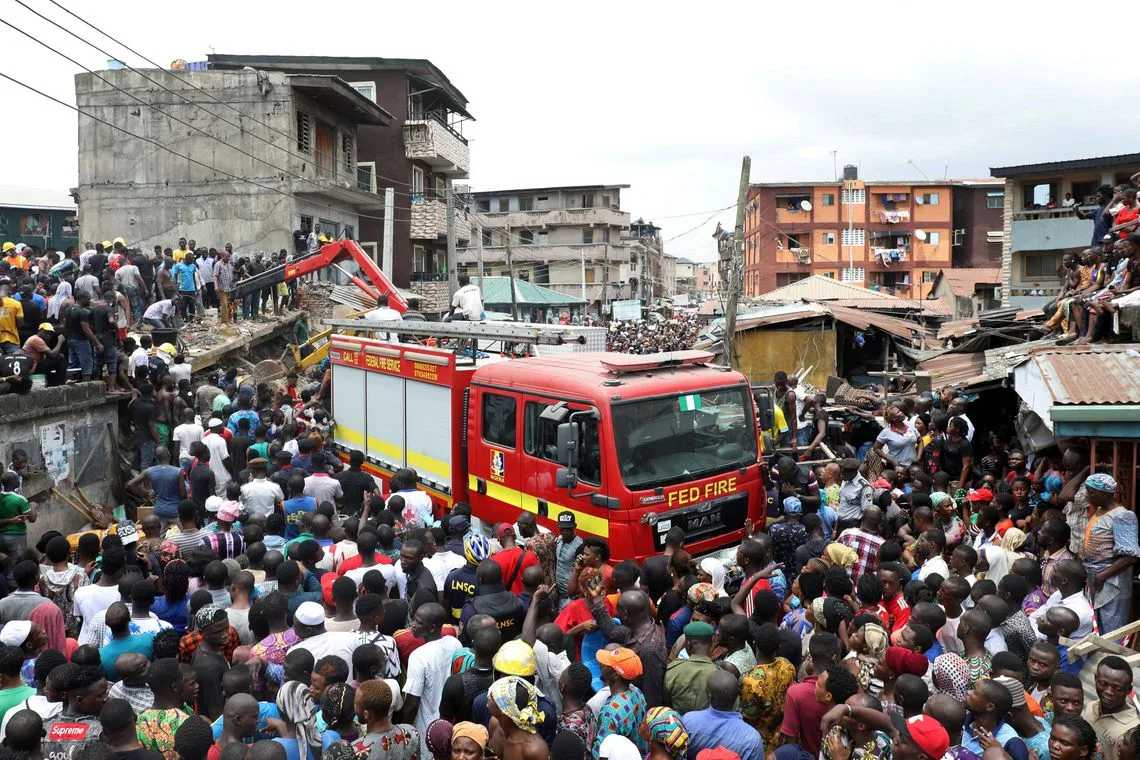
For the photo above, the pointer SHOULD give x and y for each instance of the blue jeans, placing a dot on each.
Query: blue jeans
(146, 453)
(793, 752)
(805, 435)
(135, 298)
(82, 355)
(9, 348)
(249, 305)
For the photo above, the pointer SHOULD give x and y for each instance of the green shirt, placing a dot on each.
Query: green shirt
(221, 402)
(9, 698)
(11, 505)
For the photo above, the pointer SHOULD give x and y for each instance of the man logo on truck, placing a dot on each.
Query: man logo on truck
(498, 465)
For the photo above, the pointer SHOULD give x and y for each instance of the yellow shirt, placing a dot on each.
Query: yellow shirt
(179, 255)
(10, 311)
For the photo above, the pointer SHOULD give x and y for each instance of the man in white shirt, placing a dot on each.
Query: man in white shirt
(467, 303)
(260, 495)
(320, 485)
(187, 433)
(930, 544)
(219, 456)
(309, 623)
(428, 668)
(159, 312)
(958, 409)
(1069, 578)
(384, 313)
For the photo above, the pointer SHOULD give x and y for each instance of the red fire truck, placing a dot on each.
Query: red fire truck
(631, 445)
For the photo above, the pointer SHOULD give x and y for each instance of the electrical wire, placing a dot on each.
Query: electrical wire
(697, 227)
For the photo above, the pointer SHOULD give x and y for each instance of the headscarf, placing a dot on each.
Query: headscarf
(59, 300)
(1101, 481)
(951, 676)
(667, 729)
(998, 560)
(168, 551)
(339, 750)
(504, 694)
(715, 570)
(1013, 540)
(468, 730)
(875, 643)
(841, 556)
(297, 708)
(617, 747)
(938, 497)
(702, 592)
(476, 548)
(1016, 690)
(49, 617)
(438, 737)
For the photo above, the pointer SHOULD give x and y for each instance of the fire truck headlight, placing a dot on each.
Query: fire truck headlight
(649, 518)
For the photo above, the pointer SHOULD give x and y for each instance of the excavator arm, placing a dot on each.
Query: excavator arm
(331, 254)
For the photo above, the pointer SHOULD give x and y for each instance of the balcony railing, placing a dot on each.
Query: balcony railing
(437, 145)
(428, 277)
(887, 216)
(889, 255)
(1033, 214)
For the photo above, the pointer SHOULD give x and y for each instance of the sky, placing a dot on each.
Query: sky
(664, 97)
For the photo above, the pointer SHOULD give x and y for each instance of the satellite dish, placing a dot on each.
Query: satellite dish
(918, 200)
(805, 205)
(920, 234)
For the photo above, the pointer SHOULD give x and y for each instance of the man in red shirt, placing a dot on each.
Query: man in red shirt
(893, 575)
(802, 711)
(513, 559)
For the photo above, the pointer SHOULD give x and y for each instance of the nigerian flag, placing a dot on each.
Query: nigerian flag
(689, 403)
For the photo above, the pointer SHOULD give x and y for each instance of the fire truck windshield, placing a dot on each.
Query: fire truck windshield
(675, 439)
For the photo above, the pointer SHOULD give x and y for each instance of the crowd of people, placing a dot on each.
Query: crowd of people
(72, 311)
(277, 604)
(648, 336)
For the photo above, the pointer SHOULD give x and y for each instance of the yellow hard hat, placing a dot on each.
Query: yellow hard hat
(107, 244)
(120, 241)
(167, 348)
(9, 246)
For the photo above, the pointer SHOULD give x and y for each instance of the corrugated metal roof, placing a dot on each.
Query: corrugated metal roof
(1090, 374)
(1079, 164)
(950, 370)
(962, 282)
(820, 288)
(497, 291)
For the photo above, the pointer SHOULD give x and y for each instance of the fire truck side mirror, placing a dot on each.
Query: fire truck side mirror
(563, 478)
(568, 445)
(765, 406)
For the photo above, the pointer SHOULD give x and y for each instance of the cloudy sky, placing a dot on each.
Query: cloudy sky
(664, 97)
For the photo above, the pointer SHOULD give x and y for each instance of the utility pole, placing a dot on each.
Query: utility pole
(734, 265)
(479, 255)
(605, 280)
(582, 252)
(388, 257)
(452, 269)
(510, 276)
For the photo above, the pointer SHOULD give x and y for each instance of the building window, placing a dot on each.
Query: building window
(829, 275)
(933, 238)
(366, 176)
(588, 235)
(857, 196)
(419, 258)
(499, 417)
(542, 203)
(417, 181)
(855, 274)
(526, 204)
(440, 185)
(526, 237)
(543, 238)
(852, 237)
(307, 223)
(828, 238)
(487, 270)
(504, 205)
(304, 132)
(787, 279)
(485, 236)
(1038, 265)
(587, 200)
(588, 275)
(793, 240)
(928, 199)
(928, 276)
(348, 152)
(367, 89)
(995, 200)
(827, 199)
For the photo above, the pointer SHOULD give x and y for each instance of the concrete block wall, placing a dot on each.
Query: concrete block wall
(86, 412)
(435, 297)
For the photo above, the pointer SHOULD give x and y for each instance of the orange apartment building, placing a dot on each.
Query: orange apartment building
(882, 235)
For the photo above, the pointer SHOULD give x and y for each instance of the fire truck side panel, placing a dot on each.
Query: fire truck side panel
(429, 431)
(385, 420)
(350, 407)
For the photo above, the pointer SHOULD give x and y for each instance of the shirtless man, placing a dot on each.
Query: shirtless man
(509, 740)
(164, 410)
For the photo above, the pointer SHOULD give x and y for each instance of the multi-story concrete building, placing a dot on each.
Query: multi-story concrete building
(893, 236)
(705, 280)
(221, 183)
(1041, 220)
(571, 239)
(416, 155)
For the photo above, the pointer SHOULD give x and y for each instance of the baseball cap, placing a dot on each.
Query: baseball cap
(624, 661)
(214, 503)
(504, 529)
(566, 520)
(925, 732)
(458, 524)
(127, 532)
(310, 613)
(980, 494)
(47, 326)
(229, 511)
